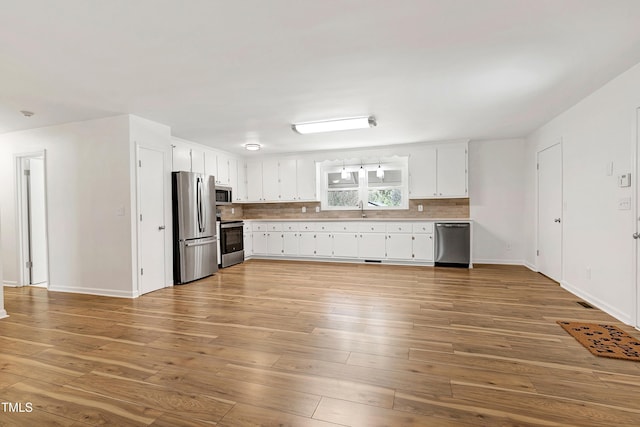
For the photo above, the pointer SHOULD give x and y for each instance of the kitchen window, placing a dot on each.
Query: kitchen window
(382, 185)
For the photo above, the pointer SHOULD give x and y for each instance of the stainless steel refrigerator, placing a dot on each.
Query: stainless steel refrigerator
(194, 226)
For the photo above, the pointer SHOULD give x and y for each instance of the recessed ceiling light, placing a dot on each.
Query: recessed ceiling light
(252, 147)
(348, 123)
(27, 113)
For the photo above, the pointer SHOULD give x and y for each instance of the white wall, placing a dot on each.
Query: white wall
(596, 234)
(89, 204)
(496, 202)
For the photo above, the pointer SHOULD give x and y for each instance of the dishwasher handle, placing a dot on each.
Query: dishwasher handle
(450, 225)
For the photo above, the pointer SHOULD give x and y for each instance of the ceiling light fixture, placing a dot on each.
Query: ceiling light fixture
(252, 147)
(335, 125)
(27, 113)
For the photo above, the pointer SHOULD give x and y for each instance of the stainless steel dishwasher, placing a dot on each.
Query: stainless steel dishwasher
(453, 244)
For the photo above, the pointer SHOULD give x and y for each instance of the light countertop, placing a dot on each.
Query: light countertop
(363, 220)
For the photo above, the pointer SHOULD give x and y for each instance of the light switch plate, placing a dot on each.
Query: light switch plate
(624, 180)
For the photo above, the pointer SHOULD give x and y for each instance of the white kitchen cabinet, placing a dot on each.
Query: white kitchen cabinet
(371, 245)
(224, 170)
(422, 173)
(345, 245)
(270, 184)
(423, 247)
(247, 235)
(181, 158)
(233, 176)
(306, 179)
(399, 246)
(438, 172)
(275, 243)
(324, 244)
(287, 179)
(197, 160)
(290, 243)
(452, 171)
(306, 243)
(254, 181)
(240, 191)
(259, 242)
(210, 164)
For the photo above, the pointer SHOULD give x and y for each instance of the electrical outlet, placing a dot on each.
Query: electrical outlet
(624, 204)
(589, 273)
(508, 246)
(233, 210)
(317, 209)
(420, 208)
(304, 209)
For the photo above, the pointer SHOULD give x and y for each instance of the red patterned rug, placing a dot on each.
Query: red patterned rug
(604, 340)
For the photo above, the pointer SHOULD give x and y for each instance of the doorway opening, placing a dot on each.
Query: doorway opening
(33, 250)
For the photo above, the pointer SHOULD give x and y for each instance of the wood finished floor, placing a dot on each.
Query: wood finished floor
(314, 344)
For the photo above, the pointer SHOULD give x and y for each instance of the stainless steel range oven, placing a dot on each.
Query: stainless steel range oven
(231, 242)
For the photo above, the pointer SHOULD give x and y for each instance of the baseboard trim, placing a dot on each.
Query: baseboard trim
(10, 283)
(3, 314)
(93, 291)
(499, 261)
(530, 266)
(597, 303)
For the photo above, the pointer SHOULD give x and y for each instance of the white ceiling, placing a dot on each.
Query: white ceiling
(226, 72)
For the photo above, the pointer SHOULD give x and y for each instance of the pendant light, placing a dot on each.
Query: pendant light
(344, 174)
(380, 172)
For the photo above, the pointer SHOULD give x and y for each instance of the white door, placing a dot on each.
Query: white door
(422, 171)
(254, 181)
(151, 180)
(399, 246)
(636, 235)
(37, 221)
(549, 252)
(270, 180)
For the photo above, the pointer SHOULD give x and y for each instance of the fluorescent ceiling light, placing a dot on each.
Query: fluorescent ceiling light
(335, 125)
(252, 147)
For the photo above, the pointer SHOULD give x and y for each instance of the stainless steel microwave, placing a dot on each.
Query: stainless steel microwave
(223, 195)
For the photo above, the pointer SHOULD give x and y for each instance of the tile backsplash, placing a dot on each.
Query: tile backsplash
(432, 208)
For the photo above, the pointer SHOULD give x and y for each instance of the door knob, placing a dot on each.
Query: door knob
(636, 235)
(161, 227)
(556, 220)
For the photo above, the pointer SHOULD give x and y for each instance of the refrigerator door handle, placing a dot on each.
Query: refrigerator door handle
(199, 202)
(203, 243)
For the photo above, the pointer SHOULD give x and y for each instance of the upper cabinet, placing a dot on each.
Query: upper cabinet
(181, 158)
(438, 172)
(306, 179)
(275, 180)
(211, 163)
(224, 170)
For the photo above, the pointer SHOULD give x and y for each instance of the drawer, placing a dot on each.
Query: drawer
(345, 227)
(259, 226)
(307, 226)
(246, 227)
(372, 227)
(399, 227)
(423, 227)
(290, 226)
(274, 226)
(322, 226)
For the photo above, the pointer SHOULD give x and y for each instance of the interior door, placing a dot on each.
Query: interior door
(151, 181)
(37, 222)
(549, 255)
(636, 235)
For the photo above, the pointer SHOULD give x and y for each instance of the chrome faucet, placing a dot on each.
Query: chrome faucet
(361, 206)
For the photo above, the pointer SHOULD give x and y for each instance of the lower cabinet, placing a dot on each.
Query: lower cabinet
(400, 246)
(397, 242)
(423, 247)
(371, 246)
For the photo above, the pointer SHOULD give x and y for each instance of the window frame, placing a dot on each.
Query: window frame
(398, 163)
